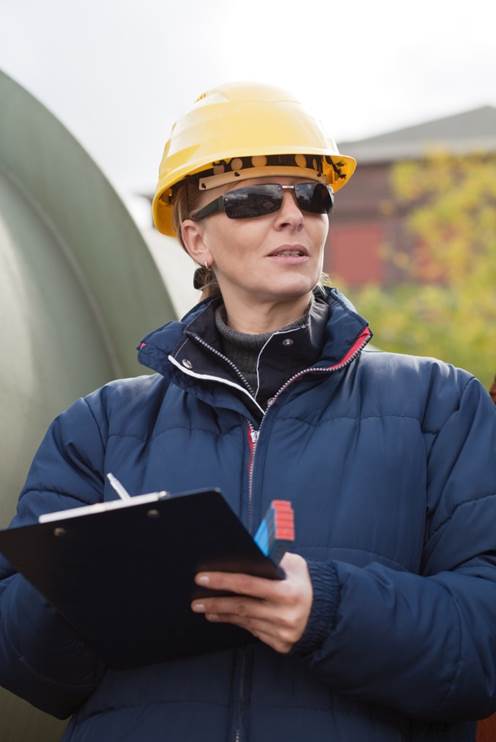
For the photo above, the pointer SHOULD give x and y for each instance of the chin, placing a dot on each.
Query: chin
(286, 290)
(295, 285)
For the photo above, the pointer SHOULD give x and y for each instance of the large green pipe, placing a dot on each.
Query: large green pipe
(78, 290)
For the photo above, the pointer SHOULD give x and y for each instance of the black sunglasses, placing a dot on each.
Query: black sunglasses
(258, 200)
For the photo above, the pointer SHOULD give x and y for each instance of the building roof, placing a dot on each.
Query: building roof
(470, 131)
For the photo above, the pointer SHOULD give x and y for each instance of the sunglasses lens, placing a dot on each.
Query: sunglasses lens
(258, 200)
(243, 203)
(313, 197)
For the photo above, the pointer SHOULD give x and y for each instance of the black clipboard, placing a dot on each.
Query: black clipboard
(123, 578)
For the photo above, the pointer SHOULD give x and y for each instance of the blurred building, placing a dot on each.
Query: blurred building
(362, 221)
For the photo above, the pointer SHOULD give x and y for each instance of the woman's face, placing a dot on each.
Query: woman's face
(250, 257)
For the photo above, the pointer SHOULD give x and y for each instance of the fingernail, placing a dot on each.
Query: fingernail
(202, 580)
(212, 616)
(198, 607)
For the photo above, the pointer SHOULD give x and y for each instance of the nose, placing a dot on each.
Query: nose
(290, 214)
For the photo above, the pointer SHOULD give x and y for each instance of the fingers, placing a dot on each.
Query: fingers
(252, 615)
(238, 606)
(276, 591)
(249, 613)
(255, 587)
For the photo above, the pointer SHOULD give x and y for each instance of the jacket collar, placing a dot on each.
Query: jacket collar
(343, 328)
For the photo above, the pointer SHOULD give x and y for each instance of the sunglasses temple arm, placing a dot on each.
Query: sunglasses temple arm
(211, 208)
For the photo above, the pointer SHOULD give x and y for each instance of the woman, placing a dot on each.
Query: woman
(385, 626)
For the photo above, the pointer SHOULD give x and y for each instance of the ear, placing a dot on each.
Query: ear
(193, 238)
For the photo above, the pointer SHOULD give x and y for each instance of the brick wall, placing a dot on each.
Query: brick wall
(353, 252)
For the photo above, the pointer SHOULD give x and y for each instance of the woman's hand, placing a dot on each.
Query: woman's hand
(275, 611)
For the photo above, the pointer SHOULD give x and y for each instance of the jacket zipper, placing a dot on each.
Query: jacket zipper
(224, 358)
(253, 438)
(252, 444)
(242, 675)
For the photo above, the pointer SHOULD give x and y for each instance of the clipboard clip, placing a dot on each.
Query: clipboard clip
(123, 500)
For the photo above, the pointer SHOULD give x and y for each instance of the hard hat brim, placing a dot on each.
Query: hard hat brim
(162, 208)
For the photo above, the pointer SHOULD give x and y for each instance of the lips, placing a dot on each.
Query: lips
(293, 251)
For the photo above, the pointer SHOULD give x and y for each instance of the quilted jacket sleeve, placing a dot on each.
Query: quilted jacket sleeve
(424, 644)
(41, 657)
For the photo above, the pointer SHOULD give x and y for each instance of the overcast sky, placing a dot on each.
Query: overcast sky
(118, 72)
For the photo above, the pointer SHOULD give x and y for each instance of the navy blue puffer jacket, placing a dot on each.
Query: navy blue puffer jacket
(390, 463)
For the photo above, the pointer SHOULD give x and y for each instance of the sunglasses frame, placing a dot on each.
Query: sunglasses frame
(219, 204)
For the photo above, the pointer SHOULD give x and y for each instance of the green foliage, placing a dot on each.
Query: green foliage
(444, 304)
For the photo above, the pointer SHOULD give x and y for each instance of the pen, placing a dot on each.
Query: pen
(118, 487)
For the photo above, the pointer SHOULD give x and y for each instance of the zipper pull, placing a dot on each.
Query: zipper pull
(253, 435)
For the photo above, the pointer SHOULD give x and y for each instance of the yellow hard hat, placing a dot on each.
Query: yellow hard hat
(243, 120)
